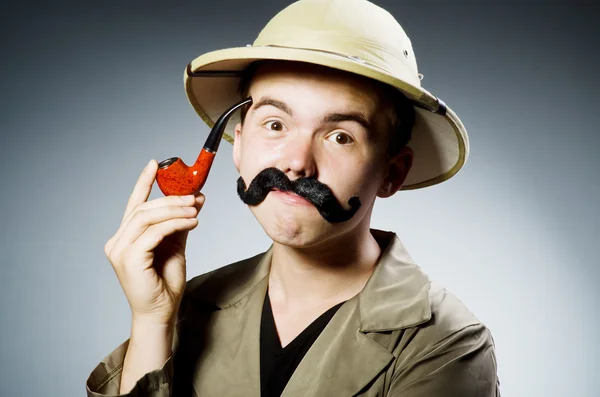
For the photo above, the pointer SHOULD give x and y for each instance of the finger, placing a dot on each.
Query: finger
(142, 188)
(184, 201)
(142, 220)
(156, 233)
(189, 201)
(180, 238)
(199, 200)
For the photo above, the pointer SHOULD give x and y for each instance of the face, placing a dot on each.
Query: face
(313, 122)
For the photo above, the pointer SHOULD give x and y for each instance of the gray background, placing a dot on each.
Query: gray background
(91, 92)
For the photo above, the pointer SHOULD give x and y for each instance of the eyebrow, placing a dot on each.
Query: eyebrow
(350, 116)
(328, 118)
(268, 101)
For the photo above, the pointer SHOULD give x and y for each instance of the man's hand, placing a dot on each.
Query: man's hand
(148, 250)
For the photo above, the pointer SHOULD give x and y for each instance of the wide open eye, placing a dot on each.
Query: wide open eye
(274, 125)
(341, 138)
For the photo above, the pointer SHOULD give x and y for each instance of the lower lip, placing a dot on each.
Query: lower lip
(290, 198)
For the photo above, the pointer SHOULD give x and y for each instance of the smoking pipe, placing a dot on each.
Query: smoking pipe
(174, 177)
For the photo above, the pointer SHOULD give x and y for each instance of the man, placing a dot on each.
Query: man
(332, 308)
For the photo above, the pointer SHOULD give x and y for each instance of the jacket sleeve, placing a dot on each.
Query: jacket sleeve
(105, 379)
(463, 364)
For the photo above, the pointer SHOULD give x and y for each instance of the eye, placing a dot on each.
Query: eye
(274, 125)
(341, 138)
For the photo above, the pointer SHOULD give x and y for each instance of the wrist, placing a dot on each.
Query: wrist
(150, 327)
(150, 347)
(153, 340)
(152, 321)
(148, 332)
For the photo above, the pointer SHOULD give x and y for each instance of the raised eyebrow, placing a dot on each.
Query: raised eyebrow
(268, 101)
(328, 118)
(351, 116)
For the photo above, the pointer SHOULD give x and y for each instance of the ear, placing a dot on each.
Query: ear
(237, 144)
(396, 172)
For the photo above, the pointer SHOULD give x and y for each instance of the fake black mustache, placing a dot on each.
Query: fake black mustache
(319, 194)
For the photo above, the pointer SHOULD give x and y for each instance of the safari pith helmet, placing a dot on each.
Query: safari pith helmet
(351, 35)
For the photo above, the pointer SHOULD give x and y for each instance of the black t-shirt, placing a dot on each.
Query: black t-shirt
(277, 364)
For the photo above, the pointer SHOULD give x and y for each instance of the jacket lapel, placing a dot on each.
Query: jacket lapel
(228, 364)
(353, 348)
(342, 360)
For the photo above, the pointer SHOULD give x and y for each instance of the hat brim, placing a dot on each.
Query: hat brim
(439, 140)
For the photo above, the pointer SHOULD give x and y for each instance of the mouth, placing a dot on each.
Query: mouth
(283, 191)
(290, 197)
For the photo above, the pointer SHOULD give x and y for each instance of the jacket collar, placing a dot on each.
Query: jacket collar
(346, 356)
(396, 295)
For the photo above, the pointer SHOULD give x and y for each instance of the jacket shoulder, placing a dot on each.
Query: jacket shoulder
(448, 313)
(452, 326)
(452, 354)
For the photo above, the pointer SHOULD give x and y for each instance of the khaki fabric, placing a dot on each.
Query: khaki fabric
(401, 336)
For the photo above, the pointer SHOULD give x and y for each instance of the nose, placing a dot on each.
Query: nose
(299, 158)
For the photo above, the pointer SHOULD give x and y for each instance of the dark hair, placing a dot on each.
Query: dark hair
(397, 107)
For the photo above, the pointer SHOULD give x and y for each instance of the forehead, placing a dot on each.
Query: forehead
(337, 86)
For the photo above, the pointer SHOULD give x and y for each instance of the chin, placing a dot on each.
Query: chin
(293, 235)
(300, 227)
(291, 226)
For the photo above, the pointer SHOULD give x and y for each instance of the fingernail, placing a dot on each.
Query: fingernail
(186, 198)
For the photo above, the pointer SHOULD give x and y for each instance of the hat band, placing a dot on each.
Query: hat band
(441, 108)
(380, 54)
(352, 57)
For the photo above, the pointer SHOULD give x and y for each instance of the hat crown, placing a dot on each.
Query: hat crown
(356, 29)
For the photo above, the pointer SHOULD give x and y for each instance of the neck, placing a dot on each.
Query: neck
(328, 273)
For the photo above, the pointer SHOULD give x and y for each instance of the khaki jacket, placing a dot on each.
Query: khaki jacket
(401, 336)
